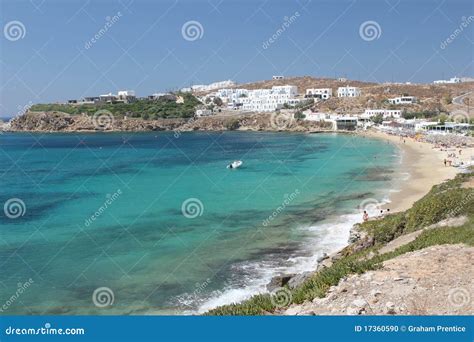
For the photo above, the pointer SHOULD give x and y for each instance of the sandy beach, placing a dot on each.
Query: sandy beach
(423, 166)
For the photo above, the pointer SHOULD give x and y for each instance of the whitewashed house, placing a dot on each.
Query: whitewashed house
(348, 91)
(203, 112)
(259, 100)
(322, 93)
(450, 81)
(126, 96)
(108, 97)
(402, 100)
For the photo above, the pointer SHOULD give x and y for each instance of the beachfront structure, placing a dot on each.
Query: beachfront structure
(348, 91)
(402, 100)
(386, 113)
(447, 127)
(321, 93)
(346, 123)
(259, 100)
(278, 77)
(450, 81)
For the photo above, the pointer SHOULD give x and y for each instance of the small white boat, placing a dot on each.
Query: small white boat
(235, 164)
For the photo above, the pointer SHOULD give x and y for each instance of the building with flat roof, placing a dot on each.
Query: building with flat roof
(348, 91)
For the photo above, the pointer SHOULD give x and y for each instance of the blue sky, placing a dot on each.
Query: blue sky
(145, 50)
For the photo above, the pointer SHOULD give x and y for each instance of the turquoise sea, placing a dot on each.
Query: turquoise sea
(160, 223)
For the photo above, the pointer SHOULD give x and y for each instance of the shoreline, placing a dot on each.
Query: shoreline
(423, 165)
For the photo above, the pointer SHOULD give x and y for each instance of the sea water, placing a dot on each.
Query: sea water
(158, 221)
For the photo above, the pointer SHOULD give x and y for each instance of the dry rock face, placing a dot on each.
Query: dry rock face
(433, 281)
(62, 122)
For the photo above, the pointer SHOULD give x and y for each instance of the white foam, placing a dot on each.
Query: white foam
(327, 237)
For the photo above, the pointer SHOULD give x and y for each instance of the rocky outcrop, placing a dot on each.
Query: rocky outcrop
(62, 122)
(433, 281)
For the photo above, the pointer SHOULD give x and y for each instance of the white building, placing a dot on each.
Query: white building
(386, 113)
(450, 81)
(108, 97)
(278, 77)
(322, 93)
(259, 100)
(126, 96)
(203, 112)
(402, 100)
(348, 91)
(208, 87)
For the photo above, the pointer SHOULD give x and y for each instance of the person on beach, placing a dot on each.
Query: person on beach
(365, 217)
(445, 162)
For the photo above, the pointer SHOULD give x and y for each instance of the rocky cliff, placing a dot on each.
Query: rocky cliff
(62, 122)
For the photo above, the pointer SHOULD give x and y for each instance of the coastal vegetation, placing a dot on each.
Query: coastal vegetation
(142, 108)
(447, 200)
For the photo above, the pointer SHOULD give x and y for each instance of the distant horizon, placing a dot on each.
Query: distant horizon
(52, 52)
